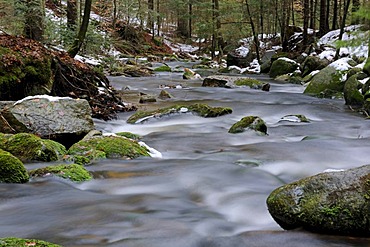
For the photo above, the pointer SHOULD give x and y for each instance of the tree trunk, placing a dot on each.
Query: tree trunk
(312, 14)
(322, 24)
(335, 15)
(151, 15)
(343, 24)
(76, 46)
(114, 19)
(34, 20)
(355, 7)
(306, 12)
(72, 14)
(327, 27)
(255, 34)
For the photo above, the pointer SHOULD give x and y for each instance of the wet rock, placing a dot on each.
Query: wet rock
(202, 110)
(164, 95)
(233, 81)
(251, 122)
(240, 59)
(145, 98)
(65, 120)
(327, 79)
(332, 202)
(73, 172)
(12, 169)
(28, 147)
(190, 74)
(100, 147)
(282, 66)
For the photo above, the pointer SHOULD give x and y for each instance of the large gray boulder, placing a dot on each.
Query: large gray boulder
(62, 119)
(312, 63)
(332, 202)
(352, 95)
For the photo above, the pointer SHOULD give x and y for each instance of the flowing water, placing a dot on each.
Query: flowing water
(209, 188)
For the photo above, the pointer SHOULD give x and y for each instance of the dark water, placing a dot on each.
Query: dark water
(210, 187)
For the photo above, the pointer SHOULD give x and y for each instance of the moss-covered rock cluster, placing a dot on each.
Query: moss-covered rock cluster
(27, 147)
(202, 110)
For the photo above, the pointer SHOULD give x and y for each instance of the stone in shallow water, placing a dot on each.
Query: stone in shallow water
(331, 202)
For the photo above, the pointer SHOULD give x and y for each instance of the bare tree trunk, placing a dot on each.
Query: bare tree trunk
(76, 46)
(327, 27)
(335, 15)
(150, 21)
(355, 7)
(343, 24)
(72, 14)
(312, 14)
(322, 24)
(114, 19)
(34, 20)
(255, 34)
(306, 12)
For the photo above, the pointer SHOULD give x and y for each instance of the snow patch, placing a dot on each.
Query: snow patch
(328, 54)
(287, 60)
(341, 64)
(364, 80)
(152, 152)
(48, 97)
(242, 51)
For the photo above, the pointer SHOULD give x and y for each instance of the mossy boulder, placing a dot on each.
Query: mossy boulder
(73, 172)
(99, 147)
(21, 242)
(249, 82)
(251, 122)
(164, 95)
(327, 79)
(330, 203)
(12, 169)
(352, 95)
(163, 68)
(282, 66)
(129, 135)
(189, 74)
(29, 147)
(202, 110)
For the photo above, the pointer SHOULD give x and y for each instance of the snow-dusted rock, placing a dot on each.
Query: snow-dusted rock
(63, 119)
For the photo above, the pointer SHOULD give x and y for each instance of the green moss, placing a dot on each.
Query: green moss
(202, 110)
(24, 75)
(21, 242)
(28, 147)
(250, 122)
(73, 172)
(12, 169)
(129, 135)
(281, 67)
(163, 68)
(327, 80)
(252, 83)
(108, 146)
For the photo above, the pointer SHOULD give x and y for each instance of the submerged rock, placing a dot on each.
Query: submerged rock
(297, 118)
(251, 122)
(332, 202)
(12, 169)
(62, 119)
(202, 110)
(73, 172)
(29, 147)
(234, 81)
(113, 146)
